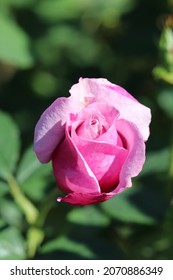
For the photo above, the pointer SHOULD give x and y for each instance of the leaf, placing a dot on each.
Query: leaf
(64, 39)
(2, 223)
(30, 167)
(18, 3)
(162, 73)
(12, 245)
(35, 188)
(165, 100)
(88, 216)
(153, 160)
(14, 46)
(4, 189)
(63, 243)
(44, 84)
(10, 212)
(32, 175)
(52, 10)
(126, 207)
(9, 145)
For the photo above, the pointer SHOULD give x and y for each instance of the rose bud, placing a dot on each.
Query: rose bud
(95, 139)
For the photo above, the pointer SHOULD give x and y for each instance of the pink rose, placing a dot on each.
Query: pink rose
(95, 139)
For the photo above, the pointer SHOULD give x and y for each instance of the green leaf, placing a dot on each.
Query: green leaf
(44, 84)
(35, 188)
(30, 167)
(9, 145)
(88, 216)
(162, 73)
(52, 10)
(10, 212)
(65, 38)
(12, 245)
(63, 243)
(4, 189)
(153, 160)
(2, 223)
(165, 100)
(32, 175)
(18, 3)
(14, 46)
(123, 207)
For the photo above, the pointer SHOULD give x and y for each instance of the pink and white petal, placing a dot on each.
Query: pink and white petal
(49, 130)
(136, 157)
(104, 159)
(83, 198)
(109, 115)
(71, 170)
(94, 90)
(108, 111)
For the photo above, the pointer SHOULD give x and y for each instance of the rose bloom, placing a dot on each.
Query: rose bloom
(95, 139)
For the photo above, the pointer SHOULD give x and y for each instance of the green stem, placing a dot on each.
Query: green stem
(46, 206)
(36, 233)
(30, 211)
(35, 218)
(35, 236)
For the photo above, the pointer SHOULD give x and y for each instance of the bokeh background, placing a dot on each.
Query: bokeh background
(45, 46)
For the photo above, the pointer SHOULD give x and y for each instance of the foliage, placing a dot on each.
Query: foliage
(45, 46)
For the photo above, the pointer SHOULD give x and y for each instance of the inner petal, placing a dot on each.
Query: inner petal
(92, 127)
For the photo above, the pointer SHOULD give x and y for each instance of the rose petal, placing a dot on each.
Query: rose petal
(107, 115)
(131, 167)
(104, 159)
(71, 170)
(136, 157)
(83, 199)
(93, 90)
(49, 130)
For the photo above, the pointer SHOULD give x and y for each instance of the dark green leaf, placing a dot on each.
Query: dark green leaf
(123, 208)
(63, 243)
(88, 216)
(4, 189)
(57, 10)
(9, 145)
(165, 100)
(2, 223)
(12, 245)
(35, 188)
(32, 175)
(14, 46)
(31, 167)
(52, 10)
(44, 83)
(10, 212)
(17, 3)
(153, 160)
(66, 38)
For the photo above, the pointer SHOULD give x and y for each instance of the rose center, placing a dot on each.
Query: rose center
(93, 127)
(96, 126)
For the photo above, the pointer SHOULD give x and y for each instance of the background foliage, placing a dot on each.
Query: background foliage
(45, 46)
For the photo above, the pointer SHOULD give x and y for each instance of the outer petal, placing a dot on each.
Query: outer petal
(83, 199)
(92, 90)
(131, 167)
(49, 130)
(106, 110)
(104, 159)
(71, 170)
(136, 157)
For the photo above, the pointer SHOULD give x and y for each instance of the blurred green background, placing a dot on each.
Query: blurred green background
(45, 46)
